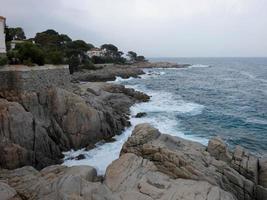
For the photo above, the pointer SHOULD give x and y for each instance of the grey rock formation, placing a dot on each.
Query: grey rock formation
(152, 166)
(218, 149)
(37, 126)
(133, 177)
(128, 178)
(108, 73)
(180, 158)
(6, 192)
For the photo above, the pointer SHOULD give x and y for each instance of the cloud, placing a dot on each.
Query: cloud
(152, 27)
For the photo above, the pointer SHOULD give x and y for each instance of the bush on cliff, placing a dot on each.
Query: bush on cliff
(135, 58)
(3, 60)
(54, 57)
(26, 53)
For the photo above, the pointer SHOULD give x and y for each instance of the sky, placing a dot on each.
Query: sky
(153, 28)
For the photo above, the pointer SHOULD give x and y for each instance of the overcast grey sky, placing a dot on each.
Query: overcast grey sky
(173, 28)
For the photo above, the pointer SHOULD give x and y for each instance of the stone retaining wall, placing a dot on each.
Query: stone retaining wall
(34, 78)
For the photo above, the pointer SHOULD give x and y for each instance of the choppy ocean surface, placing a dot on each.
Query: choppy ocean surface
(215, 96)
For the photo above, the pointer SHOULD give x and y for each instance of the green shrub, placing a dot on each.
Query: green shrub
(27, 51)
(54, 57)
(28, 62)
(3, 60)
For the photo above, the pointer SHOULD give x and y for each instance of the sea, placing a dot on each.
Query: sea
(224, 97)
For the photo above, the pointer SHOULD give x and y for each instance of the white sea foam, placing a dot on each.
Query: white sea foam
(199, 66)
(120, 79)
(162, 111)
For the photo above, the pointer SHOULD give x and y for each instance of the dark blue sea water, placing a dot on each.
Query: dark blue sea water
(215, 96)
(228, 98)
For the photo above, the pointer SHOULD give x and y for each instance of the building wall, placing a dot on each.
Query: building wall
(2, 36)
(34, 78)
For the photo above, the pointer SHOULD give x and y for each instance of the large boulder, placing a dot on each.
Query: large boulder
(55, 182)
(245, 163)
(133, 177)
(184, 159)
(24, 141)
(128, 178)
(218, 149)
(6, 192)
(263, 172)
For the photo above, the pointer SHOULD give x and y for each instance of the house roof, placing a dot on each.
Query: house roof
(1, 17)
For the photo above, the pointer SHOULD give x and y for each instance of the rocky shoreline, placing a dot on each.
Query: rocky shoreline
(152, 165)
(110, 72)
(37, 126)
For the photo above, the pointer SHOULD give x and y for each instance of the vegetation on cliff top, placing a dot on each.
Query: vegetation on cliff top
(51, 47)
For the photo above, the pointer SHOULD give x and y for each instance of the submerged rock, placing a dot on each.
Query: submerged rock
(140, 115)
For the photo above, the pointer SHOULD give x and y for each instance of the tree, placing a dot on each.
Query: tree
(140, 59)
(109, 47)
(73, 62)
(132, 55)
(65, 38)
(48, 38)
(15, 34)
(27, 51)
(54, 57)
(79, 45)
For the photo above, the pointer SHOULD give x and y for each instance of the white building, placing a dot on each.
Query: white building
(2, 35)
(96, 52)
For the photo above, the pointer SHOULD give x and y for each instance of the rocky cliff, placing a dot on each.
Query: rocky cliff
(152, 166)
(37, 126)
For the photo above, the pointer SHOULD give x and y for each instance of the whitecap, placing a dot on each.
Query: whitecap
(120, 79)
(198, 66)
(162, 111)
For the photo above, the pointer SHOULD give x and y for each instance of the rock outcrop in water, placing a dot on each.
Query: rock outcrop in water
(110, 72)
(37, 126)
(152, 166)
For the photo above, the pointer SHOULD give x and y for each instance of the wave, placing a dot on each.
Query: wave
(199, 66)
(162, 111)
(120, 79)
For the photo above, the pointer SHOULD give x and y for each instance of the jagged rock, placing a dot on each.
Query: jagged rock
(180, 158)
(56, 182)
(261, 193)
(128, 178)
(36, 127)
(140, 115)
(263, 172)
(6, 192)
(245, 163)
(23, 141)
(133, 177)
(108, 73)
(80, 157)
(218, 149)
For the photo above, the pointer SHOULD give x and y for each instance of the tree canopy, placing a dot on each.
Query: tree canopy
(52, 47)
(135, 58)
(110, 47)
(14, 34)
(27, 53)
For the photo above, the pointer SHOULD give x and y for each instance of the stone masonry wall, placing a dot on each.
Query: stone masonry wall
(33, 78)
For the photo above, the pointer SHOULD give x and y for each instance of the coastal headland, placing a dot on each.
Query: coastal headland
(45, 111)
